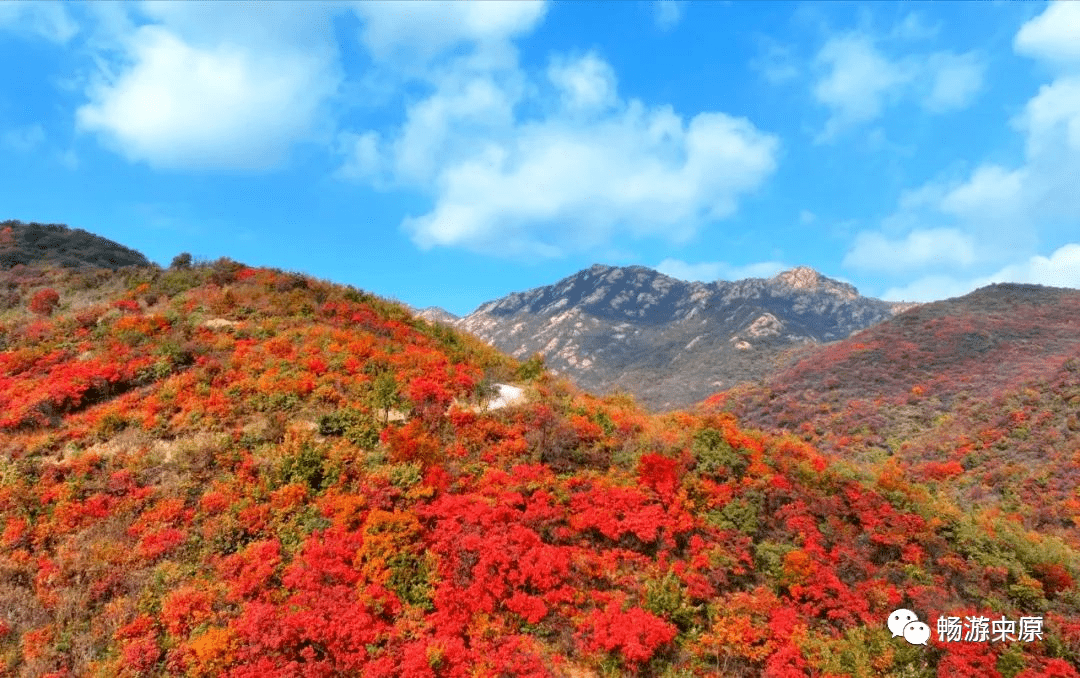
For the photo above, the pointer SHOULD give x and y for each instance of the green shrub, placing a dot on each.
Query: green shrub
(531, 369)
(308, 465)
(356, 426)
(715, 456)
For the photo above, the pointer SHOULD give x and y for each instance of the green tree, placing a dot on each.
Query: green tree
(385, 395)
(181, 262)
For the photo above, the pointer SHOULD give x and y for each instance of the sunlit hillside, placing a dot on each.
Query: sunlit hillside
(228, 471)
(978, 396)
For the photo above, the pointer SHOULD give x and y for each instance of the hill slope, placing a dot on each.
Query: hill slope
(669, 342)
(58, 245)
(977, 393)
(239, 472)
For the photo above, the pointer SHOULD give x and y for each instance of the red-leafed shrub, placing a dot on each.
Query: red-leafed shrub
(1055, 578)
(634, 633)
(45, 301)
(127, 305)
(248, 572)
(185, 608)
(616, 511)
(659, 473)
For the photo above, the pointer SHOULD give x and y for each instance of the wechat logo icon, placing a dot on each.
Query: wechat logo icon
(906, 623)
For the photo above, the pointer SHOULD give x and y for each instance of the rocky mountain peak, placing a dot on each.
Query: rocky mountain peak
(806, 278)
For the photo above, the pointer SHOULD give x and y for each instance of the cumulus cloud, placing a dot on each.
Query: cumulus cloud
(919, 249)
(668, 13)
(214, 87)
(857, 81)
(1060, 269)
(411, 33)
(586, 84)
(554, 187)
(592, 167)
(717, 270)
(1052, 36)
(49, 20)
(465, 110)
(956, 79)
(363, 158)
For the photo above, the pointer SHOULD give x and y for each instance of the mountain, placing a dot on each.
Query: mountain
(669, 342)
(979, 394)
(200, 476)
(58, 245)
(437, 315)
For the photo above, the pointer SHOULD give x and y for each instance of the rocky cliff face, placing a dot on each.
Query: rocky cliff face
(670, 342)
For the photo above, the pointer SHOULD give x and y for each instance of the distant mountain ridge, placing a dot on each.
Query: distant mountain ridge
(667, 341)
(58, 245)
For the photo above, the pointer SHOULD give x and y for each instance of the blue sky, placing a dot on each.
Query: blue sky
(448, 154)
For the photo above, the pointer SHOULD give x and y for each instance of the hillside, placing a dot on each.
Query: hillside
(668, 342)
(977, 394)
(58, 245)
(228, 471)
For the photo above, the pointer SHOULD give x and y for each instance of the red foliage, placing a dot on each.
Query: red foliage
(659, 473)
(127, 305)
(248, 572)
(1054, 577)
(968, 659)
(412, 442)
(45, 301)
(634, 633)
(615, 511)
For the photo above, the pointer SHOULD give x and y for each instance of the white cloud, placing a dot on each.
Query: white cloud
(586, 84)
(668, 13)
(997, 214)
(929, 288)
(214, 86)
(554, 187)
(1052, 36)
(955, 78)
(717, 270)
(49, 20)
(806, 217)
(465, 111)
(363, 157)
(857, 81)
(919, 249)
(23, 139)
(414, 32)
(1060, 269)
(590, 168)
(992, 194)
